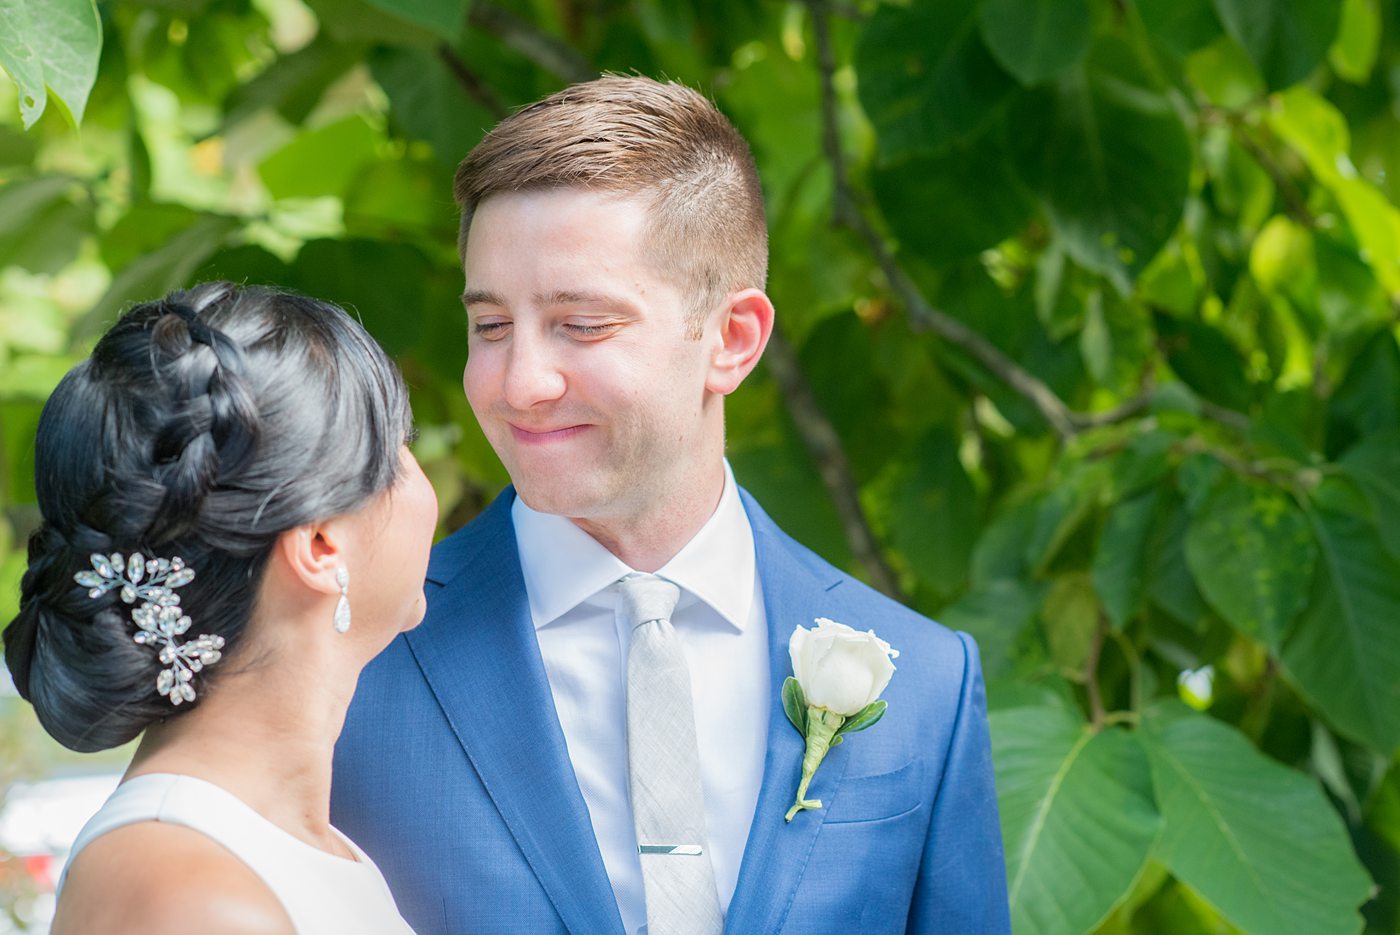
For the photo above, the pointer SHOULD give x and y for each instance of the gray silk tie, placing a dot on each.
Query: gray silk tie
(663, 764)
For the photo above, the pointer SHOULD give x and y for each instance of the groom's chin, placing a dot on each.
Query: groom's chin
(556, 496)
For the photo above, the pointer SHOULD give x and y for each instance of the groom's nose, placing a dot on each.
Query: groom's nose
(533, 374)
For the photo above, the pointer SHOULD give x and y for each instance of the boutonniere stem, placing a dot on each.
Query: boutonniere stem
(839, 676)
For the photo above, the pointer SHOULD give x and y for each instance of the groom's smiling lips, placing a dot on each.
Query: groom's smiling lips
(541, 435)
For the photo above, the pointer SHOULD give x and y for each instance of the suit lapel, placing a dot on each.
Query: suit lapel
(478, 652)
(776, 852)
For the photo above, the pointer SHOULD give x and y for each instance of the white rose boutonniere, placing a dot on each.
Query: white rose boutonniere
(838, 676)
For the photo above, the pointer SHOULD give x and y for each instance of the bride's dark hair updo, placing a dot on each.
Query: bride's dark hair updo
(203, 426)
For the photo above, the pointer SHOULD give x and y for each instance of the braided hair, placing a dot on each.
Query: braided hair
(204, 425)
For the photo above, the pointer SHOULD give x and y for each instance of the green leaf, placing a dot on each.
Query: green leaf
(1223, 73)
(1206, 360)
(1121, 567)
(1286, 39)
(446, 18)
(293, 84)
(795, 704)
(1252, 553)
(1344, 651)
(1036, 39)
(858, 404)
(1180, 26)
(1110, 157)
(1314, 127)
(1171, 585)
(246, 264)
(51, 46)
(1071, 618)
(19, 59)
(1368, 400)
(43, 222)
(955, 203)
(866, 717)
(1077, 817)
(321, 161)
(1281, 259)
(1233, 822)
(933, 512)
(19, 420)
(381, 282)
(1353, 53)
(926, 80)
(1061, 513)
(153, 274)
(997, 613)
(1374, 466)
(427, 103)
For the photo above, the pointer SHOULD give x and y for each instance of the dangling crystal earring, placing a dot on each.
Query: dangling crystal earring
(342, 607)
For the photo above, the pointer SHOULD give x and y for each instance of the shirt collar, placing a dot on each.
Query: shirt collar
(563, 566)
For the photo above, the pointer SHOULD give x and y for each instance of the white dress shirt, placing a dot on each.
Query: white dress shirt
(723, 628)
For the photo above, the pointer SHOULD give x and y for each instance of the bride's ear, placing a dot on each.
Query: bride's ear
(311, 554)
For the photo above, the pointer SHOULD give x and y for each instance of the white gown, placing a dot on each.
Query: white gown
(323, 894)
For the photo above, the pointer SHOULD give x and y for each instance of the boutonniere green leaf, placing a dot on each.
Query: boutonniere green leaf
(838, 676)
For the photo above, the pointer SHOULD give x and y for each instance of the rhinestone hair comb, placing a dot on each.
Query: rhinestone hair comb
(159, 619)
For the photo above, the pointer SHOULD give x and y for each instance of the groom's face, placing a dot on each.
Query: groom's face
(580, 370)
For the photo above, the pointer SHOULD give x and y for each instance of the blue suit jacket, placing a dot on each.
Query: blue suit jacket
(453, 775)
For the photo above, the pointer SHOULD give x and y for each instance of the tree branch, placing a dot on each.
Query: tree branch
(921, 314)
(824, 446)
(476, 88)
(848, 212)
(548, 52)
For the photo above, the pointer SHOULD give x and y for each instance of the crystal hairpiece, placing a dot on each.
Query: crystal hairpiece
(153, 581)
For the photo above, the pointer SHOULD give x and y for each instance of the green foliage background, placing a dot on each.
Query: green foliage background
(1087, 346)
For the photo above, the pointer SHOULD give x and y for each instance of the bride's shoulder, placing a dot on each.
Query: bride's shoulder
(155, 878)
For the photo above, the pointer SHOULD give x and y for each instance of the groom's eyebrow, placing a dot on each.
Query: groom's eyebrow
(481, 297)
(570, 297)
(548, 299)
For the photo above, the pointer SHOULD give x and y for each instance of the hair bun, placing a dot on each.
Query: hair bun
(72, 657)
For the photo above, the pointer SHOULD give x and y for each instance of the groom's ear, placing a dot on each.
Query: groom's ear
(744, 326)
(311, 554)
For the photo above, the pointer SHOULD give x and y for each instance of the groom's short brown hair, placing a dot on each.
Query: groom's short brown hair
(662, 143)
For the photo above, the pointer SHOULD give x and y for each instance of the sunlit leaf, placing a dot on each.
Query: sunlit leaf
(293, 84)
(50, 46)
(1233, 819)
(1317, 130)
(1070, 616)
(1077, 817)
(320, 162)
(43, 222)
(1353, 53)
